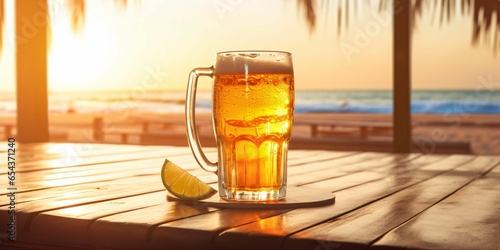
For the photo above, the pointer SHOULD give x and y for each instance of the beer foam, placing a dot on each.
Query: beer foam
(248, 62)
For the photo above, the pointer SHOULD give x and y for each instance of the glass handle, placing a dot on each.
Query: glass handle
(193, 139)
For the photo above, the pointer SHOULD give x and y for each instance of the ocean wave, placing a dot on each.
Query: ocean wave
(417, 107)
(377, 102)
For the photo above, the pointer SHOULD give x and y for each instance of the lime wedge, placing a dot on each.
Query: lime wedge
(182, 184)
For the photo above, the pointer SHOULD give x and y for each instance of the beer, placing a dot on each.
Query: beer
(252, 111)
(253, 115)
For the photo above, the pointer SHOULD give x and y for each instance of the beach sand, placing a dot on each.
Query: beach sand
(481, 131)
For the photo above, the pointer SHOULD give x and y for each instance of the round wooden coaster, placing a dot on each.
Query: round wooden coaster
(296, 197)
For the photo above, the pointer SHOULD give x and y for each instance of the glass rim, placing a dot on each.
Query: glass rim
(236, 52)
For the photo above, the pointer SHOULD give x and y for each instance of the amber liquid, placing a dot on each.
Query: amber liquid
(253, 117)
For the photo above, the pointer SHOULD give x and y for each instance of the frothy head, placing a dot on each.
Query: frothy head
(253, 62)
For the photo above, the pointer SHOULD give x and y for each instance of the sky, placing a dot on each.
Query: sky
(156, 43)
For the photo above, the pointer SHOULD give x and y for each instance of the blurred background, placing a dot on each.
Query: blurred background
(125, 62)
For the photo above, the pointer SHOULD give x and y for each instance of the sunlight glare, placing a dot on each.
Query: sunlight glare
(80, 58)
(63, 179)
(74, 211)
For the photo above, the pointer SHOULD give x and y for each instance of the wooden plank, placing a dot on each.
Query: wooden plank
(495, 172)
(56, 178)
(43, 197)
(36, 154)
(197, 232)
(49, 182)
(78, 195)
(330, 170)
(59, 226)
(467, 219)
(301, 157)
(133, 229)
(376, 170)
(251, 236)
(336, 163)
(24, 245)
(49, 169)
(72, 160)
(376, 219)
(44, 150)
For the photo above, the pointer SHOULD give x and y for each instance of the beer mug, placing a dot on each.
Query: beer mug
(252, 113)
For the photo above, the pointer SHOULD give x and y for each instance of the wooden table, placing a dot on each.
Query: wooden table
(98, 196)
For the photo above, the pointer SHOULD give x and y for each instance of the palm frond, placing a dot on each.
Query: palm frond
(309, 7)
(485, 13)
(77, 11)
(122, 4)
(418, 7)
(339, 18)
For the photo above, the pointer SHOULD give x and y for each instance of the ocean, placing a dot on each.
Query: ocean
(331, 101)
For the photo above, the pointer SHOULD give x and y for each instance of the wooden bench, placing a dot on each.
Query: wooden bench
(8, 127)
(168, 123)
(159, 137)
(56, 135)
(316, 143)
(364, 129)
(124, 135)
(174, 139)
(147, 135)
(379, 145)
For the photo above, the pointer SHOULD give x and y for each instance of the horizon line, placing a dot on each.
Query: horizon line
(302, 90)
